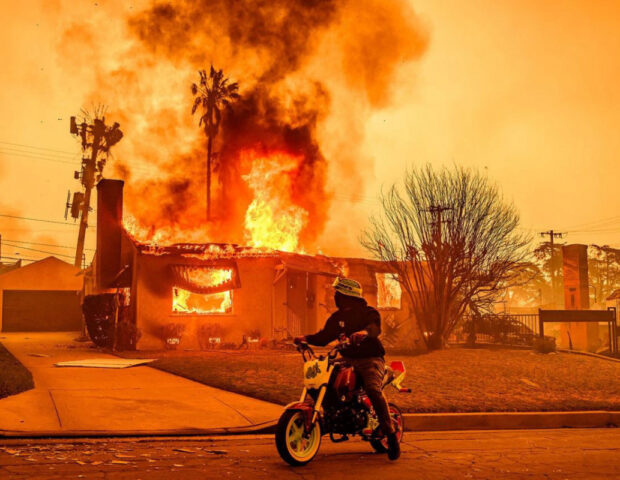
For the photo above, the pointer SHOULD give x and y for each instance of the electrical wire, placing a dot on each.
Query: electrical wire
(38, 220)
(53, 160)
(43, 244)
(21, 247)
(595, 223)
(38, 148)
(20, 258)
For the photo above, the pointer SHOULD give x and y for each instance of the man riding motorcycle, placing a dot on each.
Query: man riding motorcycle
(362, 324)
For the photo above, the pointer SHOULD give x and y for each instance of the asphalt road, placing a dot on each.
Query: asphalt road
(533, 454)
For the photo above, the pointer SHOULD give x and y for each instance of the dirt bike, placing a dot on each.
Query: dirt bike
(333, 401)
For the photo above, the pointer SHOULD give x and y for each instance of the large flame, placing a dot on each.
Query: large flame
(272, 220)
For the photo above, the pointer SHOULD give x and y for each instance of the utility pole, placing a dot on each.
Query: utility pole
(552, 236)
(98, 138)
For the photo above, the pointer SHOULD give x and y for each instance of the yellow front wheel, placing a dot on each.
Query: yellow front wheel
(294, 445)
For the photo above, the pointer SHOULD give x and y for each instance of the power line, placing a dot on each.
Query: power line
(596, 223)
(20, 258)
(20, 247)
(38, 220)
(43, 244)
(40, 154)
(38, 148)
(53, 160)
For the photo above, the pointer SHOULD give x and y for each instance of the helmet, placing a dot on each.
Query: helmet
(348, 287)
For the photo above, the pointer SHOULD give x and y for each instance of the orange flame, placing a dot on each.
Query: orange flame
(389, 291)
(184, 301)
(272, 220)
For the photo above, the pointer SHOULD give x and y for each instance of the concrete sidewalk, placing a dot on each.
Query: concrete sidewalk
(133, 400)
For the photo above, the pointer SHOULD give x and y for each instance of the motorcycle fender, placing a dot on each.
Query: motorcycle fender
(306, 408)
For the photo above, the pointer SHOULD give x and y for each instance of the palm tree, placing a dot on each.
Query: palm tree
(213, 93)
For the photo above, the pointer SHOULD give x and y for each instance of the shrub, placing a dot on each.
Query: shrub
(207, 335)
(544, 345)
(171, 334)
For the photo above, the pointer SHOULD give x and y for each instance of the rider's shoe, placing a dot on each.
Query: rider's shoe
(393, 447)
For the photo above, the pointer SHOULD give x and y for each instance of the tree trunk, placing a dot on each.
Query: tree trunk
(209, 142)
(435, 341)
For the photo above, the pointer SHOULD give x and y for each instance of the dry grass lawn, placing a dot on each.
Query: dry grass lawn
(15, 378)
(453, 380)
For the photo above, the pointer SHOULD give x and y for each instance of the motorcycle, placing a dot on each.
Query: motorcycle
(333, 401)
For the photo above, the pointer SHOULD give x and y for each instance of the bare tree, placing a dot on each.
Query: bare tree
(213, 93)
(452, 241)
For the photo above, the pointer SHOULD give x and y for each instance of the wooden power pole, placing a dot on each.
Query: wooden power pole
(97, 139)
(552, 236)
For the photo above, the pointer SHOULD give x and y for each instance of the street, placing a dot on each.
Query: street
(550, 454)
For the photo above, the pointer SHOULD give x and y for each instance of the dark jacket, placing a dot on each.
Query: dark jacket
(349, 321)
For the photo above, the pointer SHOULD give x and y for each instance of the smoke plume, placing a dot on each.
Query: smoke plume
(309, 71)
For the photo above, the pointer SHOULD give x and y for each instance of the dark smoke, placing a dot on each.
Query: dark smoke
(287, 56)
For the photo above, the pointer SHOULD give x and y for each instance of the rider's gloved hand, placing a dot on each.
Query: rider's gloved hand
(299, 340)
(357, 337)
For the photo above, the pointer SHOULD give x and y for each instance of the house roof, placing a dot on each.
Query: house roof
(7, 267)
(205, 251)
(48, 273)
(222, 251)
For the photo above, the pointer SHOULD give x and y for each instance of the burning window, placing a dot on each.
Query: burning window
(388, 291)
(202, 290)
(184, 301)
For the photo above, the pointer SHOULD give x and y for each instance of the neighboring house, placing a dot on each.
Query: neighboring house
(614, 301)
(7, 267)
(232, 290)
(42, 296)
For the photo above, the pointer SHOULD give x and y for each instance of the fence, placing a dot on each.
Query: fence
(505, 328)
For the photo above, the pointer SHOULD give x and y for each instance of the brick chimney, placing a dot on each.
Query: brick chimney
(109, 231)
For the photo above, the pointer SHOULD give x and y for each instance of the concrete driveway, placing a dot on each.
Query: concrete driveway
(132, 400)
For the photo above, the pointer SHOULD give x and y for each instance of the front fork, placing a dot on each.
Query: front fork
(317, 405)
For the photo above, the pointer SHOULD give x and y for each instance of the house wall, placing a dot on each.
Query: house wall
(252, 304)
(46, 274)
(365, 272)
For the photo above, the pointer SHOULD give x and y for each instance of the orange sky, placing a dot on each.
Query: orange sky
(526, 90)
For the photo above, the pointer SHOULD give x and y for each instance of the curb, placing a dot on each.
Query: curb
(511, 420)
(259, 428)
(419, 422)
(589, 354)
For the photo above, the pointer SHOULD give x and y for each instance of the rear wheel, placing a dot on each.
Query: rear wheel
(293, 446)
(381, 445)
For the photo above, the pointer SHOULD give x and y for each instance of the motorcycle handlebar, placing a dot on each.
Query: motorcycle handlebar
(304, 347)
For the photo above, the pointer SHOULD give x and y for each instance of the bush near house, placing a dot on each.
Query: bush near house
(15, 377)
(452, 380)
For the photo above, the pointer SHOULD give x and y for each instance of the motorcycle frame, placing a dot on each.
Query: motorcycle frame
(311, 409)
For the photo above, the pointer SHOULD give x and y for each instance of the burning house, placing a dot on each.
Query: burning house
(199, 294)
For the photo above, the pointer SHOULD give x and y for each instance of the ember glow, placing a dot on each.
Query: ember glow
(209, 277)
(184, 301)
(389, 291)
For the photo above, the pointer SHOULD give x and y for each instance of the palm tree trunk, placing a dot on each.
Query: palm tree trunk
(209, 141)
